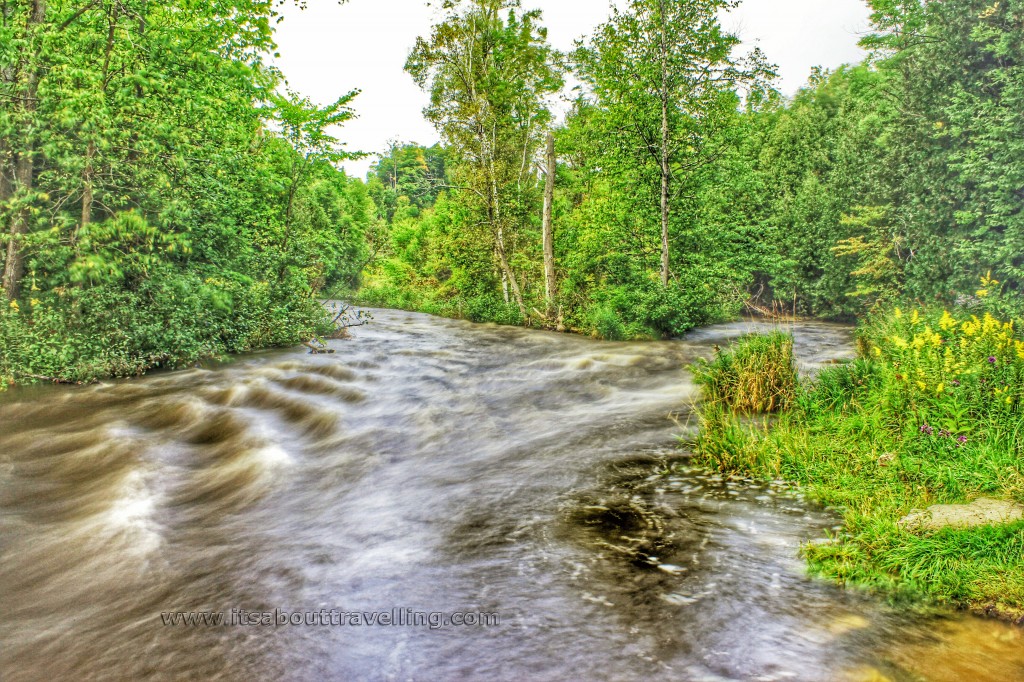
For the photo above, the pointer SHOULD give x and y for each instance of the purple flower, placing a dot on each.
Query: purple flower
(992, 359)
(955, 382)
(943, 433)
(927, 429)
(961, 440)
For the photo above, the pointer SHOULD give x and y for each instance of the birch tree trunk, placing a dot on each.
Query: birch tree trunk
(665, 170)
(548, 231)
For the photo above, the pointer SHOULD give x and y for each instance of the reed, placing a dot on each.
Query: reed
(755, 375)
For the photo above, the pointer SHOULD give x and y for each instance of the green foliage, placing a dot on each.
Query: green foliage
(161, 199)
(955, 152)
(931, 414)
(408, 173)
(814, 162)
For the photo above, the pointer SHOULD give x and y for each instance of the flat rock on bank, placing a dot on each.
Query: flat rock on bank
(981, 512)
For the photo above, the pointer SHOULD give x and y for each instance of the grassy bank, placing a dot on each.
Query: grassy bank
(931, 413)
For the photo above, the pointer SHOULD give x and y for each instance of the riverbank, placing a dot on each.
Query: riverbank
(81, 336)
(931, 413)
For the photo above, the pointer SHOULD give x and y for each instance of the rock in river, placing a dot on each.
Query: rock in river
(982, 512)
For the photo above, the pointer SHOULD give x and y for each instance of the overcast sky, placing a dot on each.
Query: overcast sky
(327, 50)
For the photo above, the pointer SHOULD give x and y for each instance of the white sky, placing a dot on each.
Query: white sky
(328, 50)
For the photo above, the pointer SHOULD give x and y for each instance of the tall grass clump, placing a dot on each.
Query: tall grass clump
(755, 375)
(931, 413)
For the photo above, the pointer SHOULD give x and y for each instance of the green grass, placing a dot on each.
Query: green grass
(932, 414)
(757, 374)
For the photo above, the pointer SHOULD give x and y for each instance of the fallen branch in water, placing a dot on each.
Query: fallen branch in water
(318, 349)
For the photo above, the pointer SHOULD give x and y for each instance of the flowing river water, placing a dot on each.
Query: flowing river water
(428, 466)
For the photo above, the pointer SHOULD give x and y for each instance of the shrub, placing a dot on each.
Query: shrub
(756, 375)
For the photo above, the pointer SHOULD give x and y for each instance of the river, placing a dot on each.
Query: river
(429, 466)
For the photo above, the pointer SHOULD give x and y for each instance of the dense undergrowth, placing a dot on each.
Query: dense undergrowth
(931, 413)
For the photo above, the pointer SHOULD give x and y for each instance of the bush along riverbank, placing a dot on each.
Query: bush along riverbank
(930, 414)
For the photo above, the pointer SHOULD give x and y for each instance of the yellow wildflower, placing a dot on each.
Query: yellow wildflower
(34, 302)
(923, 386)
(898, 314)
(915, 318)
(14, 305)
(947, 322)
(899, 342)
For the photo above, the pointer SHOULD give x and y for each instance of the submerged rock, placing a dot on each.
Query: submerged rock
(982, 512)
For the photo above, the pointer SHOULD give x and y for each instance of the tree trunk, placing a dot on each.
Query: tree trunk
(90, 152)
(506, 270)
(549, 238)
(665, 170)
(14, 268)
(87, 196)
(499, 246)
(6, 175)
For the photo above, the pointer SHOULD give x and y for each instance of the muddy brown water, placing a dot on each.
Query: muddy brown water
(437, 467)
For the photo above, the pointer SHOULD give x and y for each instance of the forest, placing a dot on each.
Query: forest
(681, 185)
(164, 197)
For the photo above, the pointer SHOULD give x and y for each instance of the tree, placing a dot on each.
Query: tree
(24, 24)
(307, 128)
(411, 171)
(956, 150)
(665, 75)
(488, 69)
